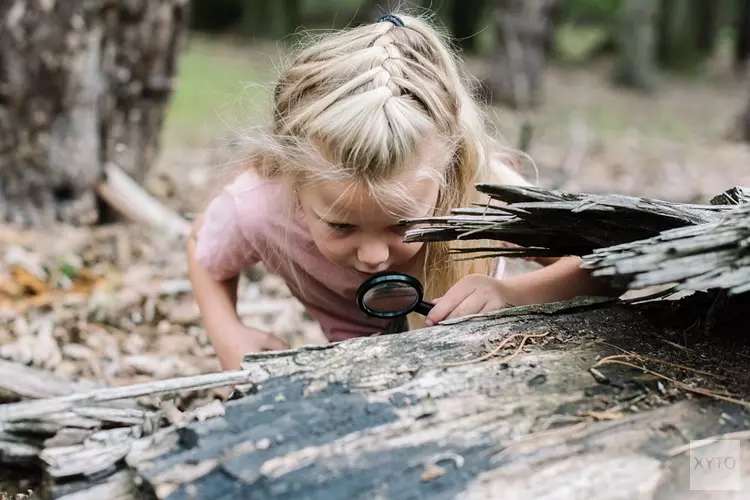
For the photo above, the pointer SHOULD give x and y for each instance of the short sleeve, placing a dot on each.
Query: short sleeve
(222, 247)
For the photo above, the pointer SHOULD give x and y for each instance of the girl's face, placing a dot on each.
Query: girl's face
(355, 230)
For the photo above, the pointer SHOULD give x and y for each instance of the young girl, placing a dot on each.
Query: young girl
(371, 125)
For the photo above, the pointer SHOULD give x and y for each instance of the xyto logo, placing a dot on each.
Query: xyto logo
(714, 463)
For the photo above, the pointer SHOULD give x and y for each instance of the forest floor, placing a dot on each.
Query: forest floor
(113, 303)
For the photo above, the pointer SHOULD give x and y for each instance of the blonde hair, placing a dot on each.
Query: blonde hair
(362, 100)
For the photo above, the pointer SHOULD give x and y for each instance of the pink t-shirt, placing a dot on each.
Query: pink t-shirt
(248, 223)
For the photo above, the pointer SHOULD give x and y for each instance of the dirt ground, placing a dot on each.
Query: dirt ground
(114, 304)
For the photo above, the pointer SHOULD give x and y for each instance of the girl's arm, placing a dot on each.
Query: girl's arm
(557, 281)
(217, 301)
(560, 279)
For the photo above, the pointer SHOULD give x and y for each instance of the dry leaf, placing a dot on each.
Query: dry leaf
(9, 287)
(433, 472)
(25, 279)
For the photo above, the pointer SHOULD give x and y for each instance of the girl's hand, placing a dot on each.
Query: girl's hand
(233, 343)
(472, 294)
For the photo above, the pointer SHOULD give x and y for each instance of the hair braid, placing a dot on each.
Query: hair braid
(356, 106)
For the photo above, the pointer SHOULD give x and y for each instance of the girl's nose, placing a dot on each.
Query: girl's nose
(373, 254)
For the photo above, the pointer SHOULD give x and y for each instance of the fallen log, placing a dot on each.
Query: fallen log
(593, 398)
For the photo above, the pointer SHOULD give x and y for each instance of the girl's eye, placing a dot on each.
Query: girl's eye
(340, 228)
(399, 229)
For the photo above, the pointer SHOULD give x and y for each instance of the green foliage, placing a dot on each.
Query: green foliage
(585, 29)
(579, 43)
(687, 32)
(227, 15)
(218, 86)
(214, 15)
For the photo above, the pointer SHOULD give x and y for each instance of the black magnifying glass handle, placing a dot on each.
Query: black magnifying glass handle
(424, 307)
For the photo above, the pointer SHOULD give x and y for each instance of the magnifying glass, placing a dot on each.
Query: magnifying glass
(389, 294)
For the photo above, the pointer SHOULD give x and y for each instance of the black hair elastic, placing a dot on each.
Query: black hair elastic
(392, 19)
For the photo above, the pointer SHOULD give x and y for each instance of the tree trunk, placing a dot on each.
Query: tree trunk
(82, 85)
(444, 412)
(708, 17)
(291, 14)
(465, 18)
(523, 30)
(742, 33)
(635, 65)
(687, 32)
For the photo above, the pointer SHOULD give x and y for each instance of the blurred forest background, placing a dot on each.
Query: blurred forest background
(633, 96)
(640, 97)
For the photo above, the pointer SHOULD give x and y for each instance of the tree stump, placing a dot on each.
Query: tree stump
(83, 85)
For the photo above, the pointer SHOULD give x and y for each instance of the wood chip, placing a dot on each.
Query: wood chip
(432, 472)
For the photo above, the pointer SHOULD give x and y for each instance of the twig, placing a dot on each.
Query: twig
(678, 450)
(125, 195)
(681, 385)
(502, 344)
(663, 362)
(603, 415)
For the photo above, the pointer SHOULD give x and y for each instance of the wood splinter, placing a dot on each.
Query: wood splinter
(132, 201)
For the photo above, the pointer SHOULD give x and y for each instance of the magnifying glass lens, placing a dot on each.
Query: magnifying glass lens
(391, 298)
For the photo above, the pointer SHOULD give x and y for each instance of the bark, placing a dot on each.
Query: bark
(82, 85)
(421, 415)
(633, 242)
(707, 256)
(635, 65)
(523, 29)
(539, 220)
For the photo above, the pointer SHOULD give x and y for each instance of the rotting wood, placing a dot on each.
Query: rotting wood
(715, 255)
(38, 408)
(560, 223)
(18, 381)
(379, 416)
(634, 242)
